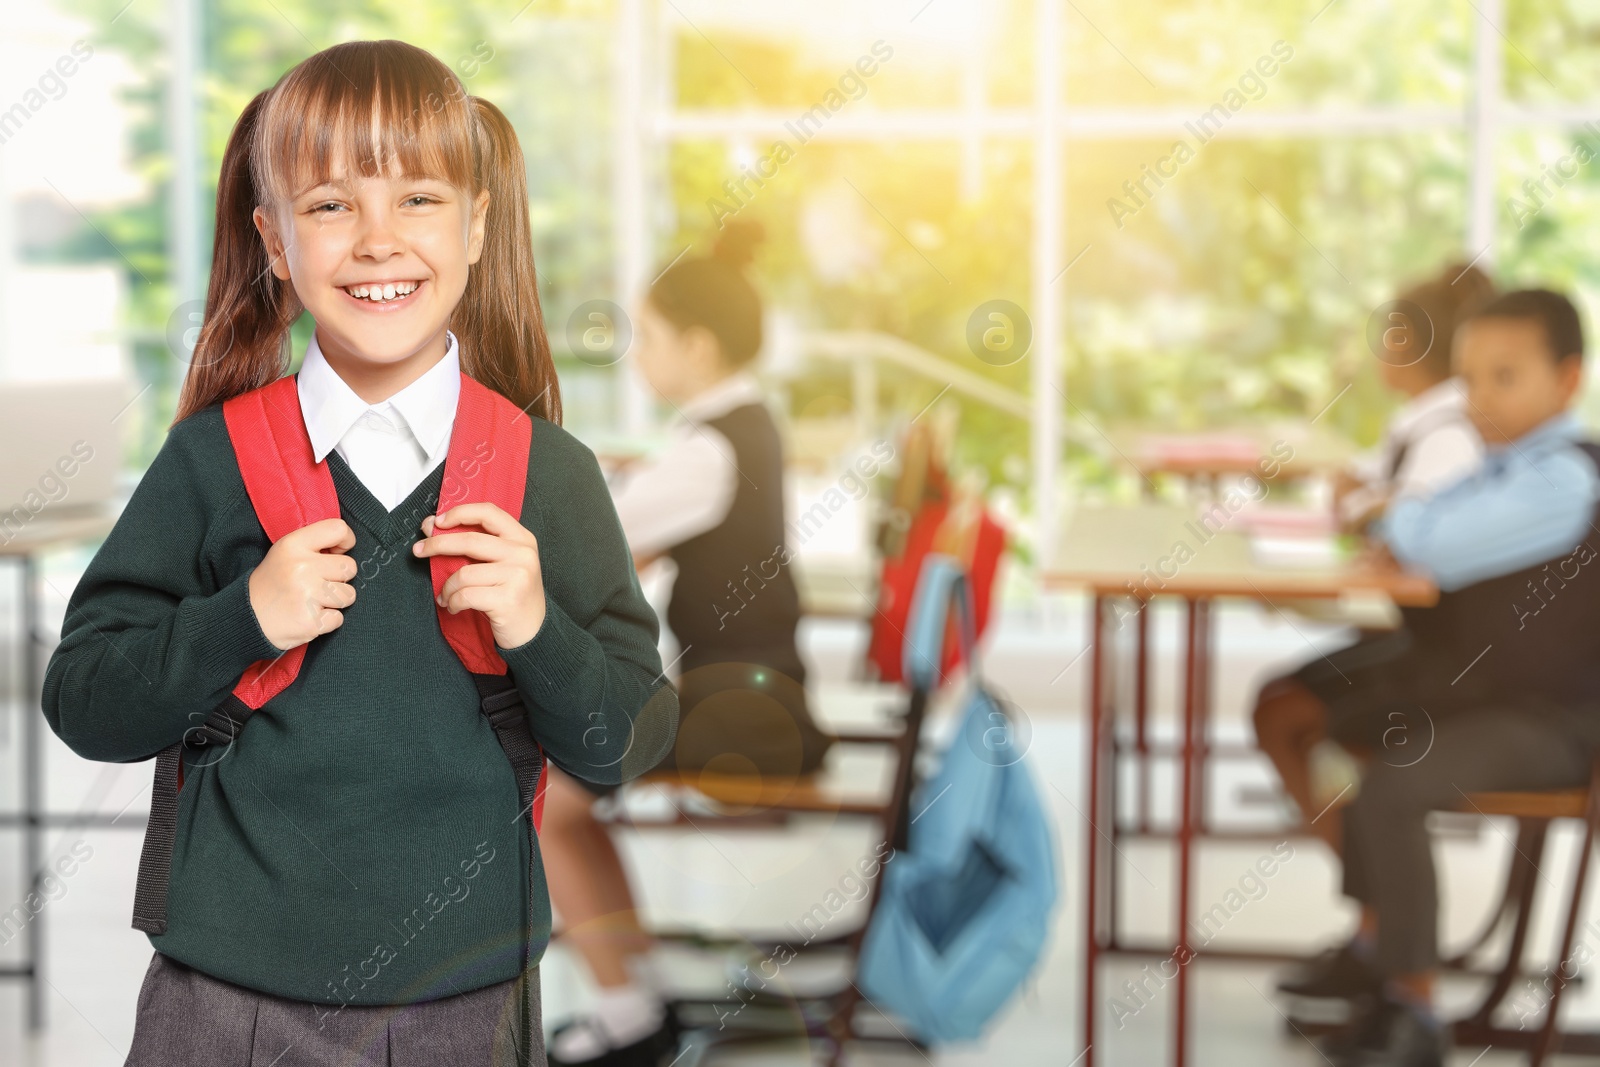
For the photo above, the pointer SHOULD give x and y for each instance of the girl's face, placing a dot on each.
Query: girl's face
(677, 363)
(380, 263)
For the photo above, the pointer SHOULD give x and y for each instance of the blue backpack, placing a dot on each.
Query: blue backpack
(965, 908)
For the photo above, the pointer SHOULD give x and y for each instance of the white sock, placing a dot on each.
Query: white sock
(619, 1016)
(580, 1042)
(627, 1013)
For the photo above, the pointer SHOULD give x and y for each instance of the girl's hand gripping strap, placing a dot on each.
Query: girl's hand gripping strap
(488, 462)
(289, 490)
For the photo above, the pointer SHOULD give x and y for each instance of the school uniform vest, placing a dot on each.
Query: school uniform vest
(734, 612)
(1530, 638)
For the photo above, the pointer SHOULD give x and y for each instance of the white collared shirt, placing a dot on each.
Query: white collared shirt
(686, 488)
(393, 445)
(1441, 447)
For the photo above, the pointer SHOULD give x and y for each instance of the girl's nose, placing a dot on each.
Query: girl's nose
(377, 237)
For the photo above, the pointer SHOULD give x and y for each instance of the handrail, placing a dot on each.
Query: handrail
(864, 349)
(850, 345)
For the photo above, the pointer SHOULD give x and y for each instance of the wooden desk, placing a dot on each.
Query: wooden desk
(1297, 449)
(1124, 556)
(1121, 550)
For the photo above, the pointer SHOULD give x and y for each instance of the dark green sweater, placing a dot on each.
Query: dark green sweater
(362, 840)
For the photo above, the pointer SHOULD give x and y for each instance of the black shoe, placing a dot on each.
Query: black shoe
(1387, 1034)
(1337, 973)
(1365, 1033)
(1412, 1042)
(652, 1050)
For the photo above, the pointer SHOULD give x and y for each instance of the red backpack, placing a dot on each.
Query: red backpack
(932, 517)
(290, 490)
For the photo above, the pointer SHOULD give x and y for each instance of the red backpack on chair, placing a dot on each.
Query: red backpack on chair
(487, 461)
(928, 515)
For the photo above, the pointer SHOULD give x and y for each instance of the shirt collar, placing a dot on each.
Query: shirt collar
(736, 390)
(427, 406)
(1555, 432)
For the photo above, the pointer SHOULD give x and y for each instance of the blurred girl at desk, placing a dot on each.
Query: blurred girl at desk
(713, 502)
(1429, 441)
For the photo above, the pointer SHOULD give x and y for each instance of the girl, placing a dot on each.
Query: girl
(352, 879)
(713, 501)
(1429, 441)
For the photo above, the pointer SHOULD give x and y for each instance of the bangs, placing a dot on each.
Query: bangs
(364, 109)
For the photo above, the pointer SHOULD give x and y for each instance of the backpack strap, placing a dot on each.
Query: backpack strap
(289, 490)
(486, 461)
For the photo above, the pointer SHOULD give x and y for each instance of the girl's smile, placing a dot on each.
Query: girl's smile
(383, 296)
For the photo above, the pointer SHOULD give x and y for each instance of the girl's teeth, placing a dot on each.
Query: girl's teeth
(377, 293)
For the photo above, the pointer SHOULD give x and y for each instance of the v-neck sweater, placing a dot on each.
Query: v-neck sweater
(362, 841)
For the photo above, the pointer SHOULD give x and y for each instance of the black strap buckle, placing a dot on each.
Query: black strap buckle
(220, 728)
(503, 707)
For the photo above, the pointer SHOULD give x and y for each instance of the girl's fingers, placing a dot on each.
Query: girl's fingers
(337, 595)
(491, 517)
(337, 568)
(474, 576)
(461, 598)
(325, 535)
(477, 545)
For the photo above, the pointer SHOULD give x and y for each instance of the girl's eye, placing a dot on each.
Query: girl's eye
(317, 210)
(423, 197)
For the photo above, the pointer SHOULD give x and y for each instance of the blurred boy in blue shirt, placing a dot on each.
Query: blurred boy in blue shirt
(1503, 706)
(1533, 496)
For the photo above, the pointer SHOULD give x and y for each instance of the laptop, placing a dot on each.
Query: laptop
(60, 450)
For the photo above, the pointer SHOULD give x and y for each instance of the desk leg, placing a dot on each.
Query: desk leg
(32, 788)
(1091, 931)
(1204, 717)
(1195, 610)
(1108, 821)
(1141, 696)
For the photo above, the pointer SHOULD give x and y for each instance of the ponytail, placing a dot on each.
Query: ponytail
(499, 321)
(248, 308)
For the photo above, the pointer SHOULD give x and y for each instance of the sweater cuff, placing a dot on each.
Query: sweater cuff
(224, 632)
(549, 660)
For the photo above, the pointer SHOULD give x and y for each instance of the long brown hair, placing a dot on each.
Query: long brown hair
(1448, 299)
(371, 103)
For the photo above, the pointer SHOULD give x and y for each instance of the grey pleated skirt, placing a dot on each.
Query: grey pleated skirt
(186, 1018)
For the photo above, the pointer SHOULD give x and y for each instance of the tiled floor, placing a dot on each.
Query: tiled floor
(95, 960)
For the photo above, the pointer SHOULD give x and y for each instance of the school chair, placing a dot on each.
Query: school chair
(833, 1014)
(926, 512)
(1533, 811)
